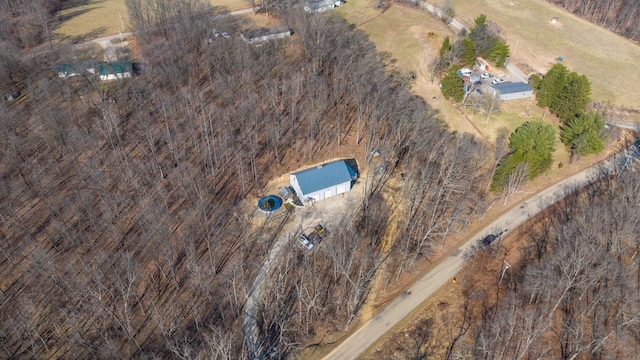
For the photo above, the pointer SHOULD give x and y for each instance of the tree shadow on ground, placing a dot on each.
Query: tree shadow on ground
(95, 33)
(72, 14)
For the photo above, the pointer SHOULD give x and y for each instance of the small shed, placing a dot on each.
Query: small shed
(511, 91)
(260, 35)
(115, 70)
(323, 181)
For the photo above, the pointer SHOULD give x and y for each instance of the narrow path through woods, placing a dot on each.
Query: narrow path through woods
(250, 325)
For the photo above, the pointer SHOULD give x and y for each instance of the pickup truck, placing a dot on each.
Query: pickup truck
(305, 241)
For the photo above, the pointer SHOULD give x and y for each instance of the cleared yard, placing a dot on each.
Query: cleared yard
(607, 59)
(87, 19)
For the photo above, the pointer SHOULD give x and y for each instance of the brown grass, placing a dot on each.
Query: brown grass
(96, 18)
(92, 18)
(609, 60)
(232, 5)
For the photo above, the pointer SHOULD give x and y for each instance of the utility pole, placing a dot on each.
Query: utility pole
(506, 266)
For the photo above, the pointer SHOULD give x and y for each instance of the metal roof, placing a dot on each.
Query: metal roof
(115, 68)
(510, 88)
(252, 34)
(324, 176)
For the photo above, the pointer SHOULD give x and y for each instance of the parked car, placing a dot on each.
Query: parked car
(497, 81)
(305, 241)
(486, 76)
(487, 240)
(215, 32)
(226, 36)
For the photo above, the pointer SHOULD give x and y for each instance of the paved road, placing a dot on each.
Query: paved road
(449, 266)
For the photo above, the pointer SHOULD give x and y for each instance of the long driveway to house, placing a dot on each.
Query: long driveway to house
(403, 305)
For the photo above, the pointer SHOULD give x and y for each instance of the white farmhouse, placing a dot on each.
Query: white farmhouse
(323, 181)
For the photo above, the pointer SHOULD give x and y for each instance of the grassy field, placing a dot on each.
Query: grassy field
(413, 38)
(606, 58)
(87, 19)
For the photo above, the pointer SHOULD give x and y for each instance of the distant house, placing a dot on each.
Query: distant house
(115, 70)
(323, 181)
(77, 69)
(260, 35)
(320, 6)
(511, 91)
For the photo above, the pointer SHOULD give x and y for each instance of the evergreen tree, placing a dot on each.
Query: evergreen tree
(584, 134)
(468, 56)
(531, 144)
(482, 37)
(446, 46)
(480, 21)
(534, 81)
(500, 52)
(573, 98)
(452, 86)
(551, 84)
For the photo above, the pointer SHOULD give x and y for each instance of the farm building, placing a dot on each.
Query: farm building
(260, 35)
(323, 181)
(511, 91)
(116, 70)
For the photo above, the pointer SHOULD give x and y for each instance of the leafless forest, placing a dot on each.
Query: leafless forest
(122, 230)
(620, 16)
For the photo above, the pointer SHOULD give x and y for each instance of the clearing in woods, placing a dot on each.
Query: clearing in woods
(83, 20)
(608, 60)
(87, 19)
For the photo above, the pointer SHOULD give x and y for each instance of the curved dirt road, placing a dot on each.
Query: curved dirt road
(449, 266)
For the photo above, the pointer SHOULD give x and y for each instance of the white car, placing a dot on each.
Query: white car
(305, 241)
(497, 81)
(486, 76)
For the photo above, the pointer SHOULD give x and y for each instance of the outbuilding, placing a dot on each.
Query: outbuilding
(511, 91)
(323, 181)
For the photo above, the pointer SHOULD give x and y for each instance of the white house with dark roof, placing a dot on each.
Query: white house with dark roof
(511, 91)
(323, 181)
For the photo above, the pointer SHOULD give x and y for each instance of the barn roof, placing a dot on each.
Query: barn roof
(510, 88)
(324, 176)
